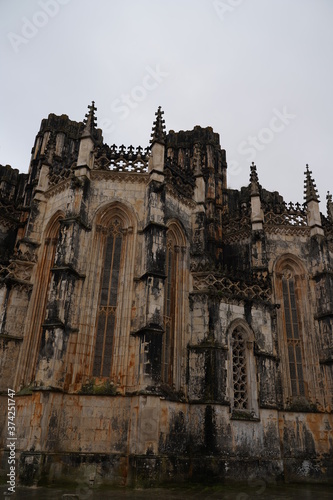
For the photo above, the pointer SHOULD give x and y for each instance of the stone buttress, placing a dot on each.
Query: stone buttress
(156, 325)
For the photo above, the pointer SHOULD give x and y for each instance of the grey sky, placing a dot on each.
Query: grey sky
(258, 71)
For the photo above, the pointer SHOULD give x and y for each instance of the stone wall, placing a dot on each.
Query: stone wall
(144, 315)
(148, 440)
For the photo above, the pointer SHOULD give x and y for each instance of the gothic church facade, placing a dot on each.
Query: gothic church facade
(157, 326)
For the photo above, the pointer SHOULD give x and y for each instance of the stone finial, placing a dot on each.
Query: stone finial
(257, 214)
(312, 205)
(310, 190)
(254, 181)
(90, 136)
(90, 120)
(254, 174)
(158, 133)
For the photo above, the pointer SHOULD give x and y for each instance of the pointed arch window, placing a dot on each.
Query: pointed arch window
(173, 305)
(169, 308)
(239, 370)
(242, 380)
(108, 299)
(293, 337)
(293, 315)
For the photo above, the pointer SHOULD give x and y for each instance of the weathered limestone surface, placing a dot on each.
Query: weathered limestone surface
(157, 326)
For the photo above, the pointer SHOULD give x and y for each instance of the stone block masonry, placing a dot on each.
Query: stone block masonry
(156, 326)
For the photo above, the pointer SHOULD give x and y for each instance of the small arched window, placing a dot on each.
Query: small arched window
(242, 380)
(239, 370)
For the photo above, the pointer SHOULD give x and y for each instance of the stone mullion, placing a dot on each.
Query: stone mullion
(107, 310)
(120, 342)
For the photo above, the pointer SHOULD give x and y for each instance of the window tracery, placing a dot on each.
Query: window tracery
(173, 304)
(239, 370)
(290, 287)
(292, 331)
(242, 379)
(108, 299)
(169, 309)
(109, 303)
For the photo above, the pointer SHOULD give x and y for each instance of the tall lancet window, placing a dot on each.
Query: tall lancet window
(291, 290)
(239, 370)
(108, 299)
(173, 340)
(293, 335)
(242, 372)
(169, 309)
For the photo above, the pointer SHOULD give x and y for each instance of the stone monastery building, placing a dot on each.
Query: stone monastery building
(157, 326)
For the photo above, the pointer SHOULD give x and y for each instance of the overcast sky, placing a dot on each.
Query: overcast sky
(258, 71)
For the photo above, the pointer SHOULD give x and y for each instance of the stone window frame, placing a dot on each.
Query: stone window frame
(108, 303)
(251, 412)
(39, 299)
(174, 318)
(104, 220)
(288, 266)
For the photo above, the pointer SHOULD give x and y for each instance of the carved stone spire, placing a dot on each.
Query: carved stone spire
(157, 146)
(90, 121)
(312, 204)
(90, 136)
(158, 133)
(310, 190)
(257, 214)
(254, 181)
